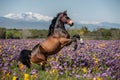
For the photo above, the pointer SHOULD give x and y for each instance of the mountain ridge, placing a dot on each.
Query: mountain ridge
(42, 24)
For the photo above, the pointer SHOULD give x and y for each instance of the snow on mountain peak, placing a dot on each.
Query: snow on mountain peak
(28, 16)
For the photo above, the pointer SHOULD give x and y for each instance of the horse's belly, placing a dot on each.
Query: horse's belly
(51, 46)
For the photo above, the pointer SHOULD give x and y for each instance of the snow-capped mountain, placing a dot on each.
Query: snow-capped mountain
(28, 16)
(29, 20)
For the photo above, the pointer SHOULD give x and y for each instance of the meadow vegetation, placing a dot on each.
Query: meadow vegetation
(95, 60)
(97, 34)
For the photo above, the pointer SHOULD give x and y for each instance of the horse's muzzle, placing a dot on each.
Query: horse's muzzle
(71, 23)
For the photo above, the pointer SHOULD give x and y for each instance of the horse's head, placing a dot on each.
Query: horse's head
(65, 19)
(56, 22)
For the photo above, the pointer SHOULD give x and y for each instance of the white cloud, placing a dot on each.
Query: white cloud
(28, 16)
(89, 22)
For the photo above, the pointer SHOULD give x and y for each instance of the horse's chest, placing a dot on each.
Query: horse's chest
(61, 33)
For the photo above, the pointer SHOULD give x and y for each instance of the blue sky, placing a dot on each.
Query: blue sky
(78, 10)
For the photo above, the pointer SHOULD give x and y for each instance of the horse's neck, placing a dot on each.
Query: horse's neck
(59, 26)
(58, 29)
(61, 31)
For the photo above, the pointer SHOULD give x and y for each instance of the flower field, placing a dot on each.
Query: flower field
(95, 60)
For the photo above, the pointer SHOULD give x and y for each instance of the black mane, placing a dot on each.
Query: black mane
(52, 25)
(51, 28)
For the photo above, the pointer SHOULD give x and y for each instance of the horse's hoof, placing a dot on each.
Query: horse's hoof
(76, 36)
(75, 47)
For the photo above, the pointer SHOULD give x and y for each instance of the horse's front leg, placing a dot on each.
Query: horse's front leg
(74, 38)
(65, 42)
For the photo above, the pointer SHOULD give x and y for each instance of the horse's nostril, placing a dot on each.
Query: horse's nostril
(71, 24)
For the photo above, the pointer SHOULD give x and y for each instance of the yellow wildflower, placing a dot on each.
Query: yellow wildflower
(21, 66)
(13, 46)
(84, 69)
(49, 59)
(0, 46)
(94, 56)
(8, 74)
(98, 78)
(34, 76)
(53, 71)
(87, 46)
(4, 59)
(26, 76)
(101, 45)
(14, 78)
(96, 60)
(0, 50)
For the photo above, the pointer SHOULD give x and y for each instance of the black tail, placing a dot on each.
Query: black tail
(25, 57)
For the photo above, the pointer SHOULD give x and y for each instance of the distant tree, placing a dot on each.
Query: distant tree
(26, 33)
(115, 33)
(102, 33)
(83, 30)
(34, 33)
(73, 31)
(98, 34)
(13, 34)
(106, 33)
(2, 33)
(9, 34)
(43, 33)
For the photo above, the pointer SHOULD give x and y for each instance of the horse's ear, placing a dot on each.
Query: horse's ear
(65, 12)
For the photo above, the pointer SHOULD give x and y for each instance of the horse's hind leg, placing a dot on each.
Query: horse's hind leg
(42, 64)
(42, 59)
(38, 57)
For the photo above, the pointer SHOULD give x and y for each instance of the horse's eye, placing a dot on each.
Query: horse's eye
(67, 17)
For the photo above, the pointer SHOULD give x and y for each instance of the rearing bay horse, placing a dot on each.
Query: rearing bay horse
(57, 38)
